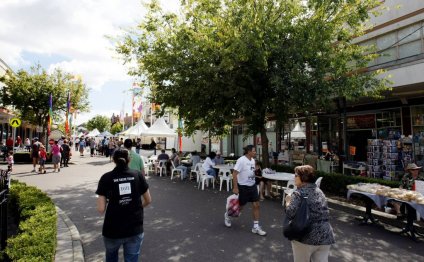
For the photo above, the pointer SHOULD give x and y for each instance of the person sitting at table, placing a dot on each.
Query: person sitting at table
(219, 160)
(209, 164)
(161, 156)
(408, 183)
(179, 165)
(194, 158)
(262, 182)
(173, 154)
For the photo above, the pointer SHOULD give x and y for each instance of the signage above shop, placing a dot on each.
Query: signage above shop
(361, 122)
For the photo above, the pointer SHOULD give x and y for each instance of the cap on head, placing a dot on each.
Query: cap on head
(128, 143)
(412, 166)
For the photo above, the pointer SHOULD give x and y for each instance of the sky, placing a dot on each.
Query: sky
(71, 35)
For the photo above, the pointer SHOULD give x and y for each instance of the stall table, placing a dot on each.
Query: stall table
(381, 201)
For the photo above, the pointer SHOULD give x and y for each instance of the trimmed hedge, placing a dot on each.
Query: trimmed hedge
(36, 213)
(335, 184)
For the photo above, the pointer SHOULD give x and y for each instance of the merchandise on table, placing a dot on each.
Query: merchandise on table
(397, 193)
(365, 187)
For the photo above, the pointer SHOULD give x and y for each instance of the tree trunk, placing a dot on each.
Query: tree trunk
(265, 153)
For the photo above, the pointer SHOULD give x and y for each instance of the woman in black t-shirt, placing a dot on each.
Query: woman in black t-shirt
(125, 192)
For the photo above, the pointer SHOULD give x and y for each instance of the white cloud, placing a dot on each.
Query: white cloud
(71, 34)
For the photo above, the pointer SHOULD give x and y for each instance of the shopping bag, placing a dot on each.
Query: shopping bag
(300, 225)
(233, 207)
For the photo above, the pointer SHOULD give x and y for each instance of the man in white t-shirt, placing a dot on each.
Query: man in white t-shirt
(245, 188)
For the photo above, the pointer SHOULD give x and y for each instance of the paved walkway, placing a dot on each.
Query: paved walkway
(185, 224)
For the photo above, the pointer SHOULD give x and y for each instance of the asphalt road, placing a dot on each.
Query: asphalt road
(186, 224)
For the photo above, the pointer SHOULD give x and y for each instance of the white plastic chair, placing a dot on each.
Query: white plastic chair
(162, 167)
(288, 190)
(204, 178)
(225, 175)
(176, 171)
(318, 182)
(196, 171)
(148, 166)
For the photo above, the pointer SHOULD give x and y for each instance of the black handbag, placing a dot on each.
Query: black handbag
(300, 225)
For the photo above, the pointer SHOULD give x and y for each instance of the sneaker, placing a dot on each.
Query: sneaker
(258, 231)
(227, 220)
(33, 170)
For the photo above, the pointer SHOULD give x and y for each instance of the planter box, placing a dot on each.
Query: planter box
(25, 157)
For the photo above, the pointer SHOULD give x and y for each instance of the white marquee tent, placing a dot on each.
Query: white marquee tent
(296, 133)
(160, 129)
(136, 130)
(93, 133)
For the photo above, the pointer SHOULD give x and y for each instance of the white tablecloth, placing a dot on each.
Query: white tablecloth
(279, 176)
(381, 201)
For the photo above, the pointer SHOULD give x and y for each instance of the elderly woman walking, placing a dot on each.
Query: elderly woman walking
(315, 245)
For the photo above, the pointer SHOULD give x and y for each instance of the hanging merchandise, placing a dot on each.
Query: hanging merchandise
(374, 156)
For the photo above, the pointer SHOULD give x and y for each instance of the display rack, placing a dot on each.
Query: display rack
(374, 158)
(407, 152)
(390, 159)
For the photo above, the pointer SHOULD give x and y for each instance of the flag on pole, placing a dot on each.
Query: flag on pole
(68, 108)
(180, 136)
(50, 118)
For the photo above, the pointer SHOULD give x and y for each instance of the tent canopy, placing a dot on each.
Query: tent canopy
(93, 133)
(160, 129)
(104, 134)
(136, 130)
(296, 133)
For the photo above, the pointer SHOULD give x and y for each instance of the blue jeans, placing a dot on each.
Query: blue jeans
(132, 247)
(211, 172)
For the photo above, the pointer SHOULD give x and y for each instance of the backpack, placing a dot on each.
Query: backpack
(36, 147)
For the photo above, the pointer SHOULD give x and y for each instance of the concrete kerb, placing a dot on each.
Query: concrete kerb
(69, 244)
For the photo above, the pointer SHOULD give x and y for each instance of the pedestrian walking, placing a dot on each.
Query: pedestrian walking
(56, 155)
(10, 161)
(81, 146)
(126, 193)
(136, 163)
(35, 148)
(42, 155)
(66, 153)
(245, 188)
(315, 244)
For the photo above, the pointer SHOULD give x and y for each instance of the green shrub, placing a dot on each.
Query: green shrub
(36, 213)
(335, 183)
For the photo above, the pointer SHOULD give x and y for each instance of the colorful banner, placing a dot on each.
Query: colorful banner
(50, 117)
(68, 108)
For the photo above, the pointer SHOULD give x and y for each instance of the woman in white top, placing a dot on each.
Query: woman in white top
(209, 164)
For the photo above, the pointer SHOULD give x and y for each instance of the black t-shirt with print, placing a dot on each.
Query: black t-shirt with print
(123, 189)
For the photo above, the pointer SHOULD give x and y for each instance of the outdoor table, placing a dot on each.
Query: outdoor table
(279, 177)
(369, 198)
(224, 168)
(186, 162)
(381, 201)
(411, 209)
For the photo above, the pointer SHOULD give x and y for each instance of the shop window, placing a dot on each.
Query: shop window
(398, 44)
(410, 49)
(410, 33)
(387, 55)
(386, 41)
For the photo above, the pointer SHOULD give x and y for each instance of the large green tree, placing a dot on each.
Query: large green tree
(223, 60)
(29, 94)
(102, 123)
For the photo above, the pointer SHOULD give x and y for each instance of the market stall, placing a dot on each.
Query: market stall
(382, 195)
